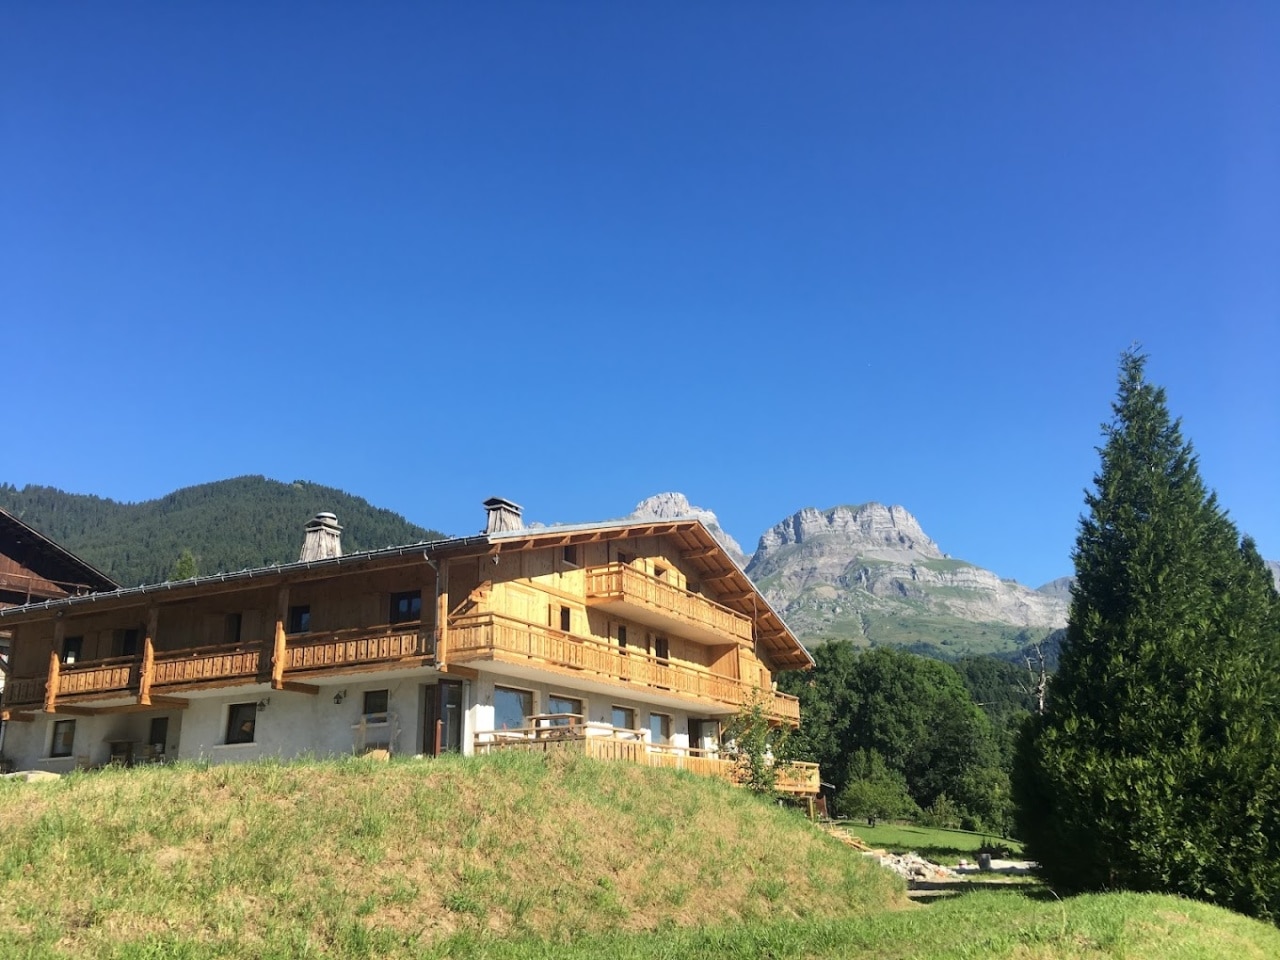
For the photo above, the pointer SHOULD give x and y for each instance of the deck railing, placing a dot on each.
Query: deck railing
(629, 746)
(228, 661)
(340, 648)
(98, 676)
(491, 635)
(623, 582)
(225, 663)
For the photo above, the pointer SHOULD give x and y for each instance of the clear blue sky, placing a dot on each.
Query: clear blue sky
(770, 255)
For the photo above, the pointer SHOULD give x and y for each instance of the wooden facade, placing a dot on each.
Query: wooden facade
(648, 621)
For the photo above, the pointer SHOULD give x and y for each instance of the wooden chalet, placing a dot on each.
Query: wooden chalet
(628, 640)
(33, 567)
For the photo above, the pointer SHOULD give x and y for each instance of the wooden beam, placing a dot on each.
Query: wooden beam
(177, 703)
(51, 684)
(76, 711)
(16, 717)
(457, 670)
(700, 554)
(4, 666)
(733, 597)
(442, 613)
(280, 650)
(297, 687)
(157, 703)
(721, 576)
(148, 671)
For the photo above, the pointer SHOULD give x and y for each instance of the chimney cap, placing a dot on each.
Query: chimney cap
(502, 502)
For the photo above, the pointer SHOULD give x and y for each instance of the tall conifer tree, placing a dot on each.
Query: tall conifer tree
(1157, 764)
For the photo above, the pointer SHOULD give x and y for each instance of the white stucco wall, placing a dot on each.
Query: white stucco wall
(298, 724)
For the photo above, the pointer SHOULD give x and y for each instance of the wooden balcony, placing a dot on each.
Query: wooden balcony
(646, 599)
(227, 664)
(359, 647)
(628, 746)
(200, 665)
(114, 675)
(496, 637)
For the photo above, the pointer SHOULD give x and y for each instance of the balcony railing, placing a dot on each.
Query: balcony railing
(98, 676)
(357, 646)
(231, 661)
(226, 663)
(493, 636)
(645, 596)
(629, 746)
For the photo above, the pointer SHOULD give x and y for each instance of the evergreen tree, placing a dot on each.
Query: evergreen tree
(1156, 766)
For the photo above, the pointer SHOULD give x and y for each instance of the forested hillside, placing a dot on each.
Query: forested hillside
(227, 525)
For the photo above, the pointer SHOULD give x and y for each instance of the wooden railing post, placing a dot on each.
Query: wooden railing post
(280, 649)
(51, 687)
(148, 673)
(442, 614)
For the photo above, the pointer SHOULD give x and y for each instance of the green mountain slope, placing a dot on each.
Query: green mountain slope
(227, 525)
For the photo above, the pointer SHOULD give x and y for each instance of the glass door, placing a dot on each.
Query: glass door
(442, 728)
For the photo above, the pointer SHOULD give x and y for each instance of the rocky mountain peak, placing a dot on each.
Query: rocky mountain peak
(870, 530)
(668, 506)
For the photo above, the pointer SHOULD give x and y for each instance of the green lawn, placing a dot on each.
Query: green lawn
(982, 925)
(941, 846)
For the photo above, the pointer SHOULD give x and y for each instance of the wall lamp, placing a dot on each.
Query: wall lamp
(340, 696)
(262, 704)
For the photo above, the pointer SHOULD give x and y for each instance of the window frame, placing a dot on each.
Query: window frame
(59, 727)
(299, 619)
(665, 733)
(564, 721)
(386, 704)
(628, 712)
(235, 713)
(518, 691)
(395, 616)
(72, 650)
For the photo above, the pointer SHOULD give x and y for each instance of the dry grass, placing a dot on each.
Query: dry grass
(371, 859)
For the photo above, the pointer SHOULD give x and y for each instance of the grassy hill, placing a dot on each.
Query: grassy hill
(358, 858)
(513, 856)
(227, 525)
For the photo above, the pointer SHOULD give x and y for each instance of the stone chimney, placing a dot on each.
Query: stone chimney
(323, 539)
(503, 515)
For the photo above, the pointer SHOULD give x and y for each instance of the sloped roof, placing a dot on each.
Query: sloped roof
(33, 550)
(699, 549)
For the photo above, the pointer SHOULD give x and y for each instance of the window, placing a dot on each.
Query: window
(661, 649)
(659, 728)
(64, 734)
(300, 618)
(571, 555)
(625, 557)
(72, 647)
(231, 629)
(511, 708)
(376, 703)
(158, 736)
(622, 636)
(624, 718)
(566, 619)
(406, 606)
(242, 718)
(660, 572)
(558, 704)
(128, 642)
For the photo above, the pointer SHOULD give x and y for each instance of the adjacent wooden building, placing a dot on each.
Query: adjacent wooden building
(627, 640)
